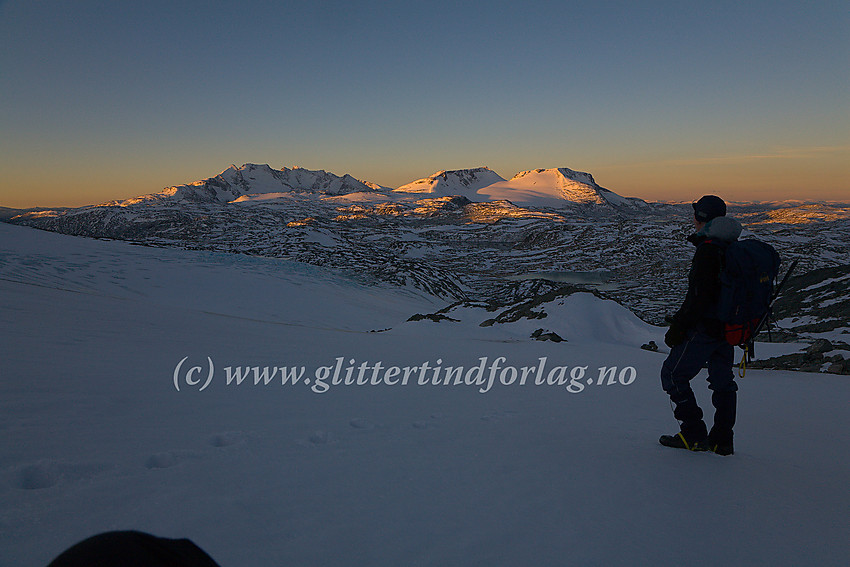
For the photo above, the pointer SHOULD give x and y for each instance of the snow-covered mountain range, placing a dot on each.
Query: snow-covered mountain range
(251, 179)
(465, 182)
(552, 188)
(539, 188)
(460, 235)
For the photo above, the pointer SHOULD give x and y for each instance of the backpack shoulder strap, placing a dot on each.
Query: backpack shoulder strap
(721, 246)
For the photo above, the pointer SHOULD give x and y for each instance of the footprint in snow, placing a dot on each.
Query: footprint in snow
(321, 437)
(227, 438)
(47, 473)
(39, 475)
(361, 423)
(426, 423)
(499, 415)
(168, 459)
(317, 438)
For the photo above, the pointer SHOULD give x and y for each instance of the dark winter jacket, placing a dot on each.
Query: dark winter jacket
(699, 308)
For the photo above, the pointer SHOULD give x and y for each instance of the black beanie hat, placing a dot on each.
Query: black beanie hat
(709, 207)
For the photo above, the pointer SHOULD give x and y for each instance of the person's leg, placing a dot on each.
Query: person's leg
(683, 363)
(724, 397)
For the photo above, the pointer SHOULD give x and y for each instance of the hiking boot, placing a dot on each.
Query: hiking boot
(719, 441)
(721, 448)
(678, 441)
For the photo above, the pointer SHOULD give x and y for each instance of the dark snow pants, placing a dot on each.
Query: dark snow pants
(684, 362)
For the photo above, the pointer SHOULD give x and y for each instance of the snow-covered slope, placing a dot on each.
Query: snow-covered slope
(554, 188)
(561, 467)
(464, 182)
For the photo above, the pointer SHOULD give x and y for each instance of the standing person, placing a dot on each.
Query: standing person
(696, 338)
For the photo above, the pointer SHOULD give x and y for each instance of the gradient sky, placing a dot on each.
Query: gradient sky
(661, 100)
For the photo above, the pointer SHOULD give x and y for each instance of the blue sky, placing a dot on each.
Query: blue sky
(660, 100)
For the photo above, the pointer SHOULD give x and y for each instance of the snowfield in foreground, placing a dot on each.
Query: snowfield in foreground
(96, 436)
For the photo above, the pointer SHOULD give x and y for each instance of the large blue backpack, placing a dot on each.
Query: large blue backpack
(749, 271)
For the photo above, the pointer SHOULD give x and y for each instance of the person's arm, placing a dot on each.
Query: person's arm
(703, 286)
(702, 295)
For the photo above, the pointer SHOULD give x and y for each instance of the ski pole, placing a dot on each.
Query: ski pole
(774, 298)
